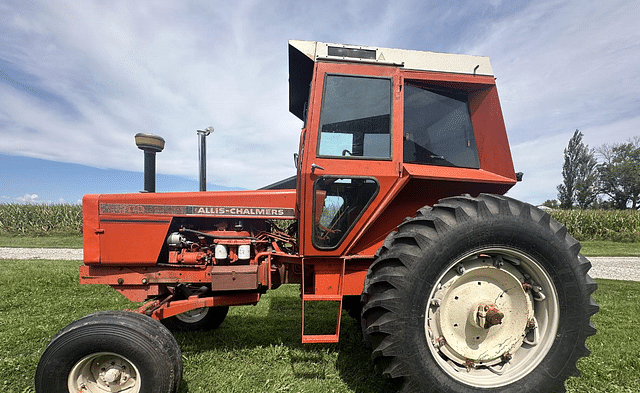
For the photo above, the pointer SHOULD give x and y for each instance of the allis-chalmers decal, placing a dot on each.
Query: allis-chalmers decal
(216, 211)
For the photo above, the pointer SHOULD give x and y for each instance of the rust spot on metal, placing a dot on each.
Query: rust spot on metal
(493, 316)
(469, 364)
(488, 314)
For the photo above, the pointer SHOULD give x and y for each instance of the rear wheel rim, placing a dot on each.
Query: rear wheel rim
(104, 372)
(193, 316)
(475, 352)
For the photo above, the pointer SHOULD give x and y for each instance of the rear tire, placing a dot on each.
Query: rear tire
(115, 351)
(445, 308)
(204, 318)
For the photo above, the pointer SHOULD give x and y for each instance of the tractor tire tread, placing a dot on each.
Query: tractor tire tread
(382, 299)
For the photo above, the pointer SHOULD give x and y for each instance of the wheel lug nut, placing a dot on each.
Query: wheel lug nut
(439, 342)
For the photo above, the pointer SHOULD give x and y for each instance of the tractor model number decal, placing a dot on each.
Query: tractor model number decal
(228, 211)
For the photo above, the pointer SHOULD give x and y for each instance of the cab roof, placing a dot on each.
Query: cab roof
(303, 55)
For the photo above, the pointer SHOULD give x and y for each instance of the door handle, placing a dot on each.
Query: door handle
(316, 166)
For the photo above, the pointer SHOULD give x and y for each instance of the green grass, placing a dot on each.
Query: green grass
(594, 248)
(614, 364)
(51, 241)
(258, 349)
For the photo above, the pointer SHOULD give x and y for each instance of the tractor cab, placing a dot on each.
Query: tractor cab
(384, 131)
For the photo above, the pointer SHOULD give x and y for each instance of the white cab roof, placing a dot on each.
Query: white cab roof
(408, 59)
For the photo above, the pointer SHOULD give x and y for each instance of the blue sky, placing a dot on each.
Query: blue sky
(78, 79)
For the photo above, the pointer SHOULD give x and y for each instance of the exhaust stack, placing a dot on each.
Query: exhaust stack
(150, 144)
(202, 156)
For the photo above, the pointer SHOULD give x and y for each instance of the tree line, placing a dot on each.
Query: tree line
(607, 177)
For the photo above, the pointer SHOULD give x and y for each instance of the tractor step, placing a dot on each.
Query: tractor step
(328, 282)
(322, 338)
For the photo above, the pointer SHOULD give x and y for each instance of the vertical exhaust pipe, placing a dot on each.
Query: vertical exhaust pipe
(150, 144)
(202, 156)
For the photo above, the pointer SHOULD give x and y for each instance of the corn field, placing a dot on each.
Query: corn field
(613, 225)
(64, 219)
(40, 219)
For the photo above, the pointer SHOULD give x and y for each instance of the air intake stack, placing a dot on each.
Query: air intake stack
(150, 144)
(202, 156)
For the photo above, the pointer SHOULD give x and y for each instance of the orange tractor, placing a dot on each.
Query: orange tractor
(395, 215)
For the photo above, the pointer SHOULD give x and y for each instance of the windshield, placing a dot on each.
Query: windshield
(356, 117)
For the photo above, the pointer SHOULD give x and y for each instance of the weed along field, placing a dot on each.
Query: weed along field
(258, 348)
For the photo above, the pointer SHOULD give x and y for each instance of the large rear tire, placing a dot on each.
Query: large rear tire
(484, 294)
(112, 351)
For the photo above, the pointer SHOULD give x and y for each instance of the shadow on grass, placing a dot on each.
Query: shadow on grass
(275, 323)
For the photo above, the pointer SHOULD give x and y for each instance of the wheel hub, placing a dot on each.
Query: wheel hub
(111, 371)
(112, 375)
(104, 372)
(483, 312)
(486, 315)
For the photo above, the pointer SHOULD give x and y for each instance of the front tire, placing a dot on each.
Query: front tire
(479, 294)
(113, 351)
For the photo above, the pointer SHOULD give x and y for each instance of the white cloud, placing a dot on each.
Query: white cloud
(32, 199)
(29, 198)
(93, 74)
(119, 68)
(124, 68)
(563, 66)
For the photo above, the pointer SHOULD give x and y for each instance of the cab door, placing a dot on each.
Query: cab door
(352, 157)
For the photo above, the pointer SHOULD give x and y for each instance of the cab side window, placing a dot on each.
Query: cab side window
(437, 127)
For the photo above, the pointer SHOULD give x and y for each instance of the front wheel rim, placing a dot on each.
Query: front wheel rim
(492, 348)
(104, 372)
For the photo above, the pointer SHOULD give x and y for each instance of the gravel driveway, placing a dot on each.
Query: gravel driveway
(613, 268)
(41, 253)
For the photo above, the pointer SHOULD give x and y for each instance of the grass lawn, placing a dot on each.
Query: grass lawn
(258, 349)
(610, 249)
(53, 241)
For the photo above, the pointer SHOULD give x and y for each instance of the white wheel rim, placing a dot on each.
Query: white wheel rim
(492, 355)
(193, 316)
(104, 372)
